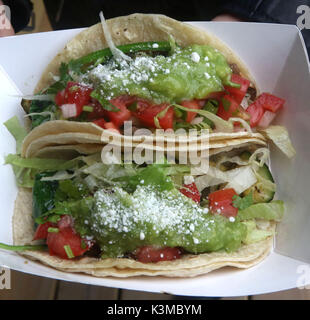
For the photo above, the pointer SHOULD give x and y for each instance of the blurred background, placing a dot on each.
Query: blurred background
(49, 15)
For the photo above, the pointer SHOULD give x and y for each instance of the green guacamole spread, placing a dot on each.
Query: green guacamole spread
(121, 222)
(189, 73)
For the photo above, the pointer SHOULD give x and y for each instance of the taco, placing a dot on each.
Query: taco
(151, 70)
(76, 213)
(124, 220)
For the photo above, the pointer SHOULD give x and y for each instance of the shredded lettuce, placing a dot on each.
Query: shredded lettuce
(239, 179)
(25, 170)
(38, 163)
(220, 124)
(254, 234)
(268, 211)
(280, 137)
(17, 131)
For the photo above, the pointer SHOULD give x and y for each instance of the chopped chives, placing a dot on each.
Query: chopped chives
(69, 252)
(22, 248)
(88, 109)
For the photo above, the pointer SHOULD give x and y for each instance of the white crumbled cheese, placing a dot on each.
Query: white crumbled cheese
(206, 58)
(195, 57)
(155, 45)
(148, 207)
(161, 255)
(196, 241)
(232, 219)
(207, 75)
(188, 179)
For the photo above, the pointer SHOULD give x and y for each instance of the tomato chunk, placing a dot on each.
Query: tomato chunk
(119, 117)
(64, 239)
(227, 107)
(106, 125)
(152, 254)
(41, 231)
(191, 191)
(191, 104)
(98, 112)
(238, 93)
(270, 102)
(146, 112)
(74, 93)
(256, 112)
(221, 202)
(100, 122)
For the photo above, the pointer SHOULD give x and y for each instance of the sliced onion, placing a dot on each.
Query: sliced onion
(266, 119)
(245, 102)
(118, 54)
(69, 110)
(197, 120)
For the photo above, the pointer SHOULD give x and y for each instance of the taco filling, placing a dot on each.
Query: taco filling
(155, 85)
(153, 212)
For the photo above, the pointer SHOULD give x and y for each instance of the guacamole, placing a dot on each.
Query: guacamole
(189, 73)
(121, 222)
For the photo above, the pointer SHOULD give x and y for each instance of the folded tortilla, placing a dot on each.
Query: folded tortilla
(125, 30)
(189, 265)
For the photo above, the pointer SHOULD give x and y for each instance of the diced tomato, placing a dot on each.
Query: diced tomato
(191, 104)
(41, 231)
(146, 112)
(60, 98)
(227, 107)
(106, 125)
(111, 126)
(98, 112)
(238, 93)
(220, 202)
(151, 254)
(74, 93)
(100, 122)
(191, 191)
(66, 237)
(119, 117)
(256, 112)
(270, 102)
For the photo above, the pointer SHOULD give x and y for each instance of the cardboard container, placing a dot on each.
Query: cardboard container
(277, 58)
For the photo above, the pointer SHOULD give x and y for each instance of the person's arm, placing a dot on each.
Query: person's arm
(20, 15)
(6, 28)
(226, 17)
